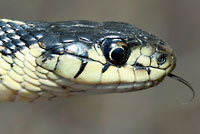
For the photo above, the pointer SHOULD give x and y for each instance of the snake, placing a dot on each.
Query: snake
(43, 60)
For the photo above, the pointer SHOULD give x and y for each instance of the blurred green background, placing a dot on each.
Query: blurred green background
(154, 111)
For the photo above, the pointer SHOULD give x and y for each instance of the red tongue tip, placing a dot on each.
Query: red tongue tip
(173, 76)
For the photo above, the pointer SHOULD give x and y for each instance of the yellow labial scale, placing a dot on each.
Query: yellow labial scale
(53, 76)
(25, 51)
(30, 86)
(133, 56)
(31, 80)
(141, 75)
(45, 94)
(30, 59)
(19, 55)
(7, 59)
(99, 51)
(28, 94)
(18, 62)
(147, 50)
(91, 73)
(144, 60)
(3, 71)
(48, 82)
(41, 70)
(30, 73)
(14, 21)
(40, 75)
(48, 64)
(6, 94)
(10, 83)
(68, 66)
(53, 89)
(110, 76)
(18, 69)
(4, 65)
(126, 74)
(29, 66)
(15, 76)
(36, 51)
(93, 54)
(154, 63)
(102, 59)
(156, 73)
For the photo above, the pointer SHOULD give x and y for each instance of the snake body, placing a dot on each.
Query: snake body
(54, 59)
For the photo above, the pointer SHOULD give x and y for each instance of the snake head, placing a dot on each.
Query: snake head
(105, 57)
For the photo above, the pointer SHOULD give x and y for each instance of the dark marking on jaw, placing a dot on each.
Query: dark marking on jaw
(83, 65)
(148, 70)
(105, 67)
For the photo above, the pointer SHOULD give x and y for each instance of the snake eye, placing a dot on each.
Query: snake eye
(161, 59)
(115, 51)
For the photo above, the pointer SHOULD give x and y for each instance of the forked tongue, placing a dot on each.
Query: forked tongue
(175, 77)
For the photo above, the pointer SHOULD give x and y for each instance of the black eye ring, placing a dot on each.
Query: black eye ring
(115, 50)
(161, 59)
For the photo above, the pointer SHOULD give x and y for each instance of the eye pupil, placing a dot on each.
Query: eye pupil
(118, 55)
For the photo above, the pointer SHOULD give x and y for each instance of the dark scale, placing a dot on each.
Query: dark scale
(11, 35)
(6, 29)
(28, 39)
(21, 33)
(2, 24)
(6, 52)
(29, 43)
(58, 50)
(18, 43)
(10, 46)
(4, 38)
(49, 41)
(68, 38)
(15, 26)
(38, 34)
